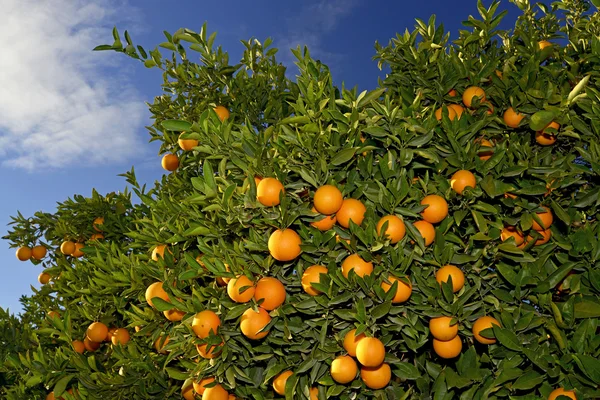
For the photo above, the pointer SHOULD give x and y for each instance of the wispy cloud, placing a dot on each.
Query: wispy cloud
(58, 105)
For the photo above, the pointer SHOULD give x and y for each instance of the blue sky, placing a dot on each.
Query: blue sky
(72, 119)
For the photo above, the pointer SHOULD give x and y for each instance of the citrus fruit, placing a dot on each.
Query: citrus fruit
(271, 291)
(209, 351)
(38, 252)
(485, 154)
(481, 324)
(156, 290)
(97, 236)
(562, 392)
(314, 393)
(77, 252)
(328, 199)
(512, 118)
(67, 247)
(441, 328)
(312, 275)
(470, 93)
(395, 231)
(355, 263)
(188, 393)
(111, 331)
(222, 112)
(511, 231)
(452, 93)
(404, 289)
(44, 278)
(461, 180)
(458, 277)
(240, 289)
(458, 109)
(216, 392)
(174, 314)
(253, 322)
(426, 230)
(376, 377)
(448, 349)
(343, 369)
(90, 345)
(280, 381)
(268, 191)
(205, 322)
(543, 44)
(120, 336)
(199, 387)
(23, 253)
(436, 210)
(351, 210)
(451, 113)
(351, 341)
(284, 245)
(546, 218)
(160, 343)
(97, 332)
(546, 235)
(97, 224)
(370, 352)
(78, 346)
(187, 144)
(324, 224)
(170, 162)
(53, 314)
(547, 138)
(159, 251)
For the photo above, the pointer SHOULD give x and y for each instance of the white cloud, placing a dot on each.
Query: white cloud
(59, 106)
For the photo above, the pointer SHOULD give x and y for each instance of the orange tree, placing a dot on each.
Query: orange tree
(435, 237)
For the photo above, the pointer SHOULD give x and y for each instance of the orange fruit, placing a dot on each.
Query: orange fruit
(170, 162)
(205, 322)
(436, 210)
(449, 349)
(404, 290)
(458, 109)
(188, 393)
(543, 44)
(222, 112)
(77, 252)
(458, 277)
(547, 138)
(395, 231)
(512, 118)
(481, 324)
(160, 343)
(280, 381)
(97, 224)
(67, 247)
(343, 369)
(562, 392)
(461, 180)
(324, 224)
(546, 235)
(511, 231)
(268, 190)
(376, 377)
(314, 393)
(23, 253)
(240, 289)
(44, 278)
(451, 113)
(187, 144)
(312, 275)
(485, 155)
(121, 336)
(546, 217)
(38, 252)
(90, 345)
(284, 245)
(370, 352)
(351, 210)
(271, 291)
(97, 236)
(426, 230)
(156, 290)
(452, 93)
(490, 107)
(53, 314)
(355, 263)
(216, 392)
(441, 328)
(159, 251)
(174, 314)
(209, 351)
(111, 331)
(470, 93)
(253, 322)
(200, 386)
(78, 346)
(328, 199)
(351, 342)
(97, 332)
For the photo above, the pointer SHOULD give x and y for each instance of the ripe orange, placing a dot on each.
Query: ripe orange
(199, 387)
(78, 346)
(44, 278)
(461, 180)
(451, 113)
(53, 314)
(481, 324)
(351, 342)
(343, 369)
(547, 138)
(404, 290)
(77, 252)
(546, 235)
(370, 352)
(441, 328)
(458, 278)
(351, 210)
(324, 224)
(159, 251)
(511, 231)
(23, 253)
(272, 291)
(188, 393)
(97, 224)
(38, 252)
(280, 381)
(97, 332)
(156, 290)
(240, 289)
(170, 162)
(174, 314)
(490, 107)
(268, 190)
(562, 392)
(485, 155)
(216, 392)
(160, 343)
(111, 331)
(97, 236)
(449, 349)
(328, 199)
(512, 118)
(426, 230)
(470, 93)
(546, 217)
(222, 112)
(314, 393)
(436, 210)
(187, 144)
(253, 322)
(205, 322)
(120, 336)
(355, 263)
(452, 93)
(209, 351)
(395, 231)
(376, 377)
(458, 109)
(284, 245)
(67, 247)
(90, 345)
(543, 44)
(312, 275)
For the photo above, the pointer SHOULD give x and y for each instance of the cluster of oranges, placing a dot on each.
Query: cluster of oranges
(96, 334)
(25, 253)
(541, 230)
(170, 162)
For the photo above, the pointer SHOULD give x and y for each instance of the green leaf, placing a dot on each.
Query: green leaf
(507, 338)
(343, 156)
(528, 380)
(589, 365)
(541, 119)
(61, 385)
(176, 125)
(161, 305)
(587, 309)
(405, 370)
